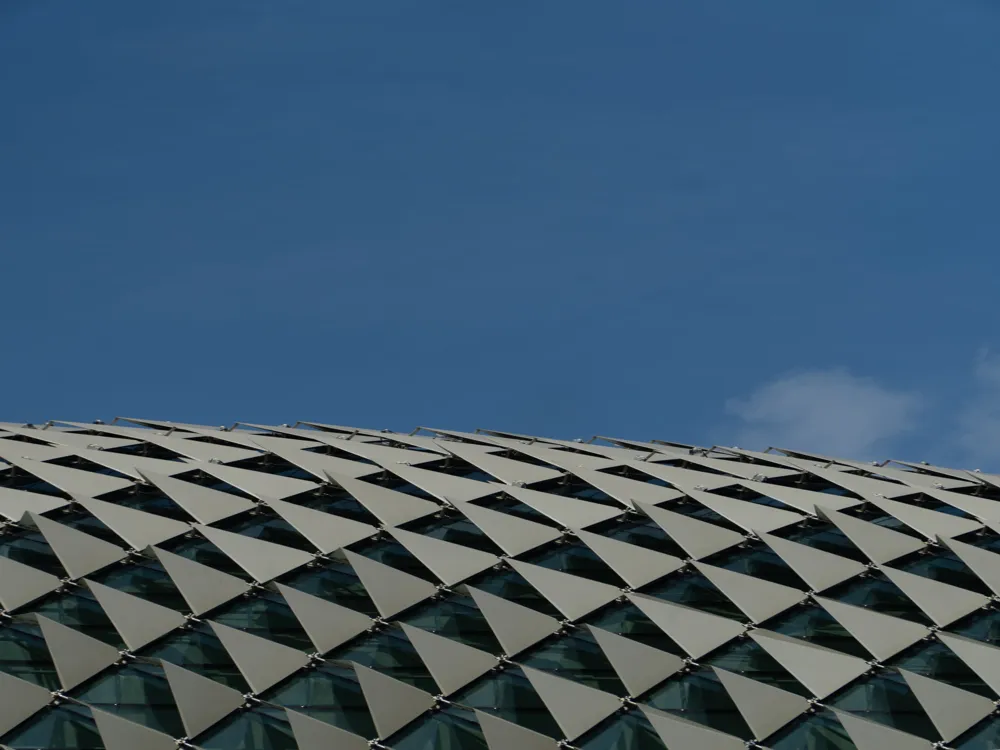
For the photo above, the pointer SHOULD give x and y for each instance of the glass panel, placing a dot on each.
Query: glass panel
(692, 589)
(887, 699)
(628, 620)
(745, 657)
(812, 623)
(198, 650)
(759, 561)
(823, 536)
(934, 659)
(509, 584)
(259, 729)
(819, 731)
(23, 653)
(983, 736)
(266, 527)
(700, 697)
(30, 548)
(639, 531)
(395, 555)
(203, 551)
(138, 692)
(453, 728)
(573, 557)
(509, 695)
(146, 579)
(391, 653)
(983, 626)
(944, 566)
(876, 592)
(334, 581)
(265, 614)
(329, 500)
(330, 693)
(455, 616)
(630, 731)
(64, 727)
(576, 657)
(454, 528)
(78, 609)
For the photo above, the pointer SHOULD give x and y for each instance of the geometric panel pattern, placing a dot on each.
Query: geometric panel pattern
(314, 586)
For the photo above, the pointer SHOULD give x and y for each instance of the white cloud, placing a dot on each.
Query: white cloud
(978, 429)
(827, 411)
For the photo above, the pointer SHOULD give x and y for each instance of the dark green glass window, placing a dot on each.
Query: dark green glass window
(329, 692)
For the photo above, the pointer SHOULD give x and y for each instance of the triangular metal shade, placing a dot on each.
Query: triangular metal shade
(501, 734)
(203, 504)
(388, 506)
(515, 626)
(391, 590)
(818, 568)
(21, 584)
(567, 512)
(695, 631)
(759, 599)
(202, 587)
(201, 702)
(453, 665)
(313, 734)
(873, 735)
(635, 565)
(764, 708)
(263, 560)
(942, 602)
(951, 709)
(451, 563)
(698, 538)
(76, 656)
(80, 554)
(883, 635)
(21, 701)
(575, 707)
(15, 503)
(326, 531)
(572, 595)
(327, 624)
(680, 734)
(137, 621)
(121, 734)
(639, 666)
(393, 704)
(879, 543)
(821, 670)
(512, 534)
(137, 528)
(262, 663)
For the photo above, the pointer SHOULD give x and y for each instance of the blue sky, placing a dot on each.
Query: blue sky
(715, 221)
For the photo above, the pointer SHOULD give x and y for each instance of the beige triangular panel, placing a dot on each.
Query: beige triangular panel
(506, 470)
(942, 602)
(12, 451)
(918, 480)
(981, 658)
(138, 528)
(327, 624)
(684, 479)
(746, 514)
(883, 635)
(313, 734)
(865, 487)
(21, 584)
(450, 562)
(137, 621)
(873, 735)
(72, 481)
(73, 439)
(572, 595)
(326, 531)
(258, 484)
(877, 542)
(201, 702)
(390, 507)
(202, 587)
(952, 710)
(575, 707)
(680, 734)
(568, 512)
(445, 487)
(515, 626)
(562, 459)
(818, 568)
(317, 464)
(821, 670)
(201, 450)
(80, 553)
(121, 734)
(803, 500)
(759, 599)
(262, 662)
(393, 704)
(131, 465)
(625, 490)
(77, 657)
(204, 504)
(453, 665)
(765, 708)
(384, 455)
(501, 734)
(262, 560)
(697, 538)
(636, 565)
(639, 666)
(694, 631)
(512, 534)
(21, 701)
(982, 508)
(983, 563)
(391, 590)
(930, 523)
(15, 503)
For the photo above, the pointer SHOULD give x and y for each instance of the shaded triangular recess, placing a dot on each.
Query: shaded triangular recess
(327, 624)
(15, 503)
(929, 523)
(515, 626)
(121, 734)
(393, 704)
(21, 584)
(765, 708)
(138, 528)
(450, 562)
(201, 702)
(757, 599)
(942, 602)
(262, 560)
(506, 470)
(636, 565)
(872, 735)
(313, 734)
(390, 507)
(697, 538)
(821, 670)
(572, 595)
(952, 710)
(512, 534)
(325, 531)
(877, 542)
(501, 734)
(694, 631)
(982, 508)
(262, 663)
(80, 553)
(866, 487)
(130, 464)
(72, 481)
(138, 621)
(985, 564)
(21, 701)
(202, 587)
(391, 590)
(575, 707)
(314, 463)
(804, 500)
(745, 514)
(453, 665)
(818, 568)
(684, 479)
(203, 504)
(77, 657)
(445, 487)
(567, 512)
(638, 666)
(200, 450)
(883, 635)
(981, 658)
(258, 484)
(625, 490)
(680, 734)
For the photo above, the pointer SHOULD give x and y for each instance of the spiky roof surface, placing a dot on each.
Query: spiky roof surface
(320, 586)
